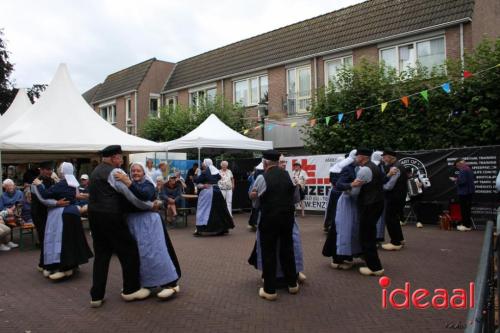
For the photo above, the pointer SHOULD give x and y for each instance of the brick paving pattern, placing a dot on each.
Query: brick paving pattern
(219, 289)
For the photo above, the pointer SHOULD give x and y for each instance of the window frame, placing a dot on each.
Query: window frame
(249, 96)
(203, 98)
(330, 60)
(110, 110)
(128, 109)
(297, 96)
(157, 98)
(414, 43)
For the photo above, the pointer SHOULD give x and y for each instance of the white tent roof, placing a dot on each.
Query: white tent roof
(61, 120)
(19, 105)
(213, 133)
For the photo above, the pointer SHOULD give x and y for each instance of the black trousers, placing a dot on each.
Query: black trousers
(465, 209)
(277, 229)
(40, 220)
(110, 235)
(368, 217)
(393, 210)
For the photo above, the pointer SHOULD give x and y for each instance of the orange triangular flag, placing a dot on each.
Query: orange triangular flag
(405, 100)
(313, 122)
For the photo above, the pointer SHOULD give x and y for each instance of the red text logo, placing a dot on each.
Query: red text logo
(421, 298)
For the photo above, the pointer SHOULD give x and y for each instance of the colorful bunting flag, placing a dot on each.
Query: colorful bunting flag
(327, 120)
(359, 112)
(383, 106)
(246, 131)
(467, 74)
(313, 122)
(446, 87)
(270, 127)
(293, 124)
(405, 100)
(425, 95)
(340, 116)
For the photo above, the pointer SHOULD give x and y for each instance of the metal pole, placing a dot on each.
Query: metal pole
(199, 157)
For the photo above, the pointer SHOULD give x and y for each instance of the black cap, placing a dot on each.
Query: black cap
(458, 160)
(271, 155)
(364, 152)
(111, 150)
(46, 165)
(297, 163)
(389, 152)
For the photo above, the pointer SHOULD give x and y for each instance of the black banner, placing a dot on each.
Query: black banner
(437, 166)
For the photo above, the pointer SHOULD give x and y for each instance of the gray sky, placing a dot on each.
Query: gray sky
(96, 38)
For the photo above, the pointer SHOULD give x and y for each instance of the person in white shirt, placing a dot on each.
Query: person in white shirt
(299, 177)
(226, 185)
(150, 169)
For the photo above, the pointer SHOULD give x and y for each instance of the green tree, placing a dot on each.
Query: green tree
(176, 122)
(467, 116)
(6, 92)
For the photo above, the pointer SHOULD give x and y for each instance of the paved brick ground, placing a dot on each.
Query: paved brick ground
(219, 289)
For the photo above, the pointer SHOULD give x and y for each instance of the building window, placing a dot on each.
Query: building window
(153, 106)
(299, 89)
(128, 109)
(198, 97)
(170, 101)
(428, 53)
(130, 130)
(108, 113)
(251, 91)
(333, 66)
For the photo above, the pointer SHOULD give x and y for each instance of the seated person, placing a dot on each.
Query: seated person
(159, 186)
(171, 195)
(26, 209)
(82, 196)
(11, 195)
(180, 181)
(5, 243)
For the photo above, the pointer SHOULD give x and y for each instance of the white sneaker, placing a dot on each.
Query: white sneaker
(366, 271)
(4, 248)
(391, 247)
(269, 297)
(293, 290)
(402, 223)
(168, 292)
(420, 225)
(346, 265)
(46, 273)
(12, 245)
(96, 304)
(301, 277)
(57, 275)
(138, 295)
(463, 228)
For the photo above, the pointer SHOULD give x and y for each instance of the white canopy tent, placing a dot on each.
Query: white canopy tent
(214, 134)
(61, 121)
(19, 105)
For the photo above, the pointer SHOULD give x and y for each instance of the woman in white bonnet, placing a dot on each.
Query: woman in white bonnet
(65, 245)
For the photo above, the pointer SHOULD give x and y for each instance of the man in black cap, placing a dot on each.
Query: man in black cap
(370, 207)
(395, 190)
(39, 210)
(275, 190)
(110, 233)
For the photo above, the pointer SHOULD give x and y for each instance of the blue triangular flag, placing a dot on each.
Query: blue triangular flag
(270, 127)
(446, 87)
(340, 116)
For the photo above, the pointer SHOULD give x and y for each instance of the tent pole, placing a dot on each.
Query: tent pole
(199, 159)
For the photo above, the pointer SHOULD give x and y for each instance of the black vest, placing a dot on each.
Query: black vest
(398, 192)
(278, 196)
(102, 197)
(372, 192)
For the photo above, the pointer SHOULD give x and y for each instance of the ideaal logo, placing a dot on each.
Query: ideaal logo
(400, 298)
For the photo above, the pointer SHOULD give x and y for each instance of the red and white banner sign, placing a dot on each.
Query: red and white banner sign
(318, 182)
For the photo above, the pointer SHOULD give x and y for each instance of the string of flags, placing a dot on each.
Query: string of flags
(404, 100)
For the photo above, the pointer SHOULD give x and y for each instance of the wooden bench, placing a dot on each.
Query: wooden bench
(25, 229)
